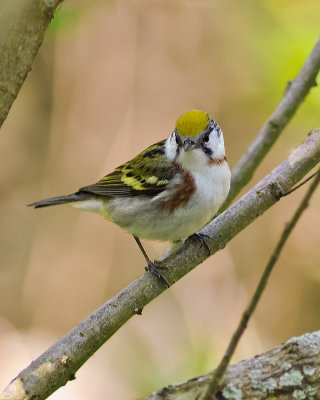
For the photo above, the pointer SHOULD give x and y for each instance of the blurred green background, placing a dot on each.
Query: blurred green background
(110, 79)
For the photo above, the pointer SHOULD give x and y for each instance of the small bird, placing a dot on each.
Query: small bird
(168, 192)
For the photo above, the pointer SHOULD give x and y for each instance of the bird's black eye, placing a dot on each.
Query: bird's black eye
(206, 137)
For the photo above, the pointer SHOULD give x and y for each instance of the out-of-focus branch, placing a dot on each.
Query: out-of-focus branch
(294, 95)
(59, 363)
(22, 27)
(217, 375)
(289, 371)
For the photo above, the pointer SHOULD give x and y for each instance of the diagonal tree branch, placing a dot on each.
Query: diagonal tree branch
(59, 363)
(289, 371)
(23, 24)
(294, 95)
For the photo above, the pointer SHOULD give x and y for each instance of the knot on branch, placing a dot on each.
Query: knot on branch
(277, 190)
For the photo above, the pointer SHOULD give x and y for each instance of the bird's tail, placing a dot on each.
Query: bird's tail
(52, 201)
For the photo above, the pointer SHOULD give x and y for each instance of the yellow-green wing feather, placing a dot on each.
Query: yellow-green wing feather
(146, 174)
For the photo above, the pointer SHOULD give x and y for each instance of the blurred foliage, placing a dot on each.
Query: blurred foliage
(110, 79)
(66, 19)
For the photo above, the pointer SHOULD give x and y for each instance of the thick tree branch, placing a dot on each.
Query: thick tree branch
(289, 371)
(22, 27)
(294, 95)
(217, 375)
(59, 363)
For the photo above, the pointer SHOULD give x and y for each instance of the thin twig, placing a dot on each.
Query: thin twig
(294, 95)
(217, 375)
(300, 184)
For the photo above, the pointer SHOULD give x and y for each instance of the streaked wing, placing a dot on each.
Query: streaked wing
(147, 174)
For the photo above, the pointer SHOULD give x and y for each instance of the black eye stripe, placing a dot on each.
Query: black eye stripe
(207, 151)
(206, 137)
(178, 140)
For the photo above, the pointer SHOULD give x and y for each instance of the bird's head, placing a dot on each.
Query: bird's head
(196, 141)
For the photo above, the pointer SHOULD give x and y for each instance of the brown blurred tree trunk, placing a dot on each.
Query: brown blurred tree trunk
(23, 24)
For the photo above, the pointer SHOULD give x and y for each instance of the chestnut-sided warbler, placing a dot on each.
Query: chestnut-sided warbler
(169, 191)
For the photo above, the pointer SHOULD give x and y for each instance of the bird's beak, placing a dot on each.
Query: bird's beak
(188, 144)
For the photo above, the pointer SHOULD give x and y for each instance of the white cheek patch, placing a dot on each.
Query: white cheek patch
(171, 147)
(216, 144)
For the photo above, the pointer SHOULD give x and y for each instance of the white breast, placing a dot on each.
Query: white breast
(212, 188)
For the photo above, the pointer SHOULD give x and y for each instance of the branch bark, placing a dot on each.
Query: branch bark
(23, 24)
(294, 95)
(289, 371)
(59, 363)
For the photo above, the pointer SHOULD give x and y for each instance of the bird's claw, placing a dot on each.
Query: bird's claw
(155, 270)
(201, 237)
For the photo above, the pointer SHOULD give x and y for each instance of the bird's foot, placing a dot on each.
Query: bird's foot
(155, 270)
(202, 238)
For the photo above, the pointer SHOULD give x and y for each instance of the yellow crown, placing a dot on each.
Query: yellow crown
(192, 123)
